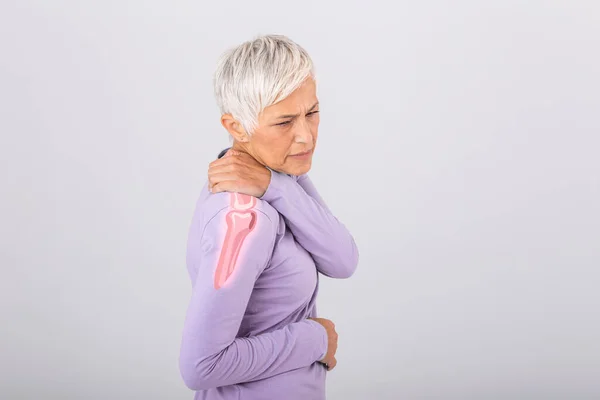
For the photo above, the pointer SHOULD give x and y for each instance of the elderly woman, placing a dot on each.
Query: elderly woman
(260, 236)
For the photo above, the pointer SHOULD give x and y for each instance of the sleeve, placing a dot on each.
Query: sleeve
(234, 250)
(313, 225)
(310, 189)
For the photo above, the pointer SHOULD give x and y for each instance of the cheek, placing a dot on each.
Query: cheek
(275, 151)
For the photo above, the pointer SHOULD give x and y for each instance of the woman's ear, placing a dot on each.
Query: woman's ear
(234, 128)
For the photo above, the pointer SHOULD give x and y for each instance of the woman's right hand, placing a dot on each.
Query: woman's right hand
(332, 339)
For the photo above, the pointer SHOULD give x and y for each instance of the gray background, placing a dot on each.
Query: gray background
(458, 143)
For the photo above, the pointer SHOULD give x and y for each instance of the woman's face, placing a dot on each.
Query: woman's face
(287, 132)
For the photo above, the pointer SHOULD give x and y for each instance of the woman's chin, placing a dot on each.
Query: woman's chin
(297, 169)
(303, 170)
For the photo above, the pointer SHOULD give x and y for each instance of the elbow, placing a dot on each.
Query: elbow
(194, 380)
(198, 374)
(349, 270)
(348, 265)
(352, 262)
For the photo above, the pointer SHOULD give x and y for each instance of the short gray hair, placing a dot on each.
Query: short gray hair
(258, 74)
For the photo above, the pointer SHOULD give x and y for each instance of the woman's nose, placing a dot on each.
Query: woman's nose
(304, 134)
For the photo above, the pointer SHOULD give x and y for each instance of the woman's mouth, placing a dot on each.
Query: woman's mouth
(304, 155)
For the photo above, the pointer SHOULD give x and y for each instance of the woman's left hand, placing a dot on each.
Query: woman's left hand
(238, 172)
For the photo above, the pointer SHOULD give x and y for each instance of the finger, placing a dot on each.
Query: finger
(214, 179)
(236, 161)
(219, 169)
(219, 162)
(226, 168)
(225, 186)
(226, 159)
(331, 365)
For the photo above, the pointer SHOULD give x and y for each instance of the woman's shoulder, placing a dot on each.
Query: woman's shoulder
(216, 206)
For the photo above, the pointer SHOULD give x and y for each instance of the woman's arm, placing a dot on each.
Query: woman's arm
(313, 225)
(211, 355)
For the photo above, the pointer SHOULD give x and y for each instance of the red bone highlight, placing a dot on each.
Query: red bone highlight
(241, 220)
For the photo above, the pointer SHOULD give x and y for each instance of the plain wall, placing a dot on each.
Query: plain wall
(459, 143)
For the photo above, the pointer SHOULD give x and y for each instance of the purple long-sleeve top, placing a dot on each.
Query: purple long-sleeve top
(254, 264)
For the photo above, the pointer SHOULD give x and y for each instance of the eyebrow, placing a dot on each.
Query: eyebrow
(297, 115)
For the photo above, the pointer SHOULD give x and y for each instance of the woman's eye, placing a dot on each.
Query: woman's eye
(310, 114)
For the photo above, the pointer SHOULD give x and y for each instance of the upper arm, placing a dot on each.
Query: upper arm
(234, 249)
